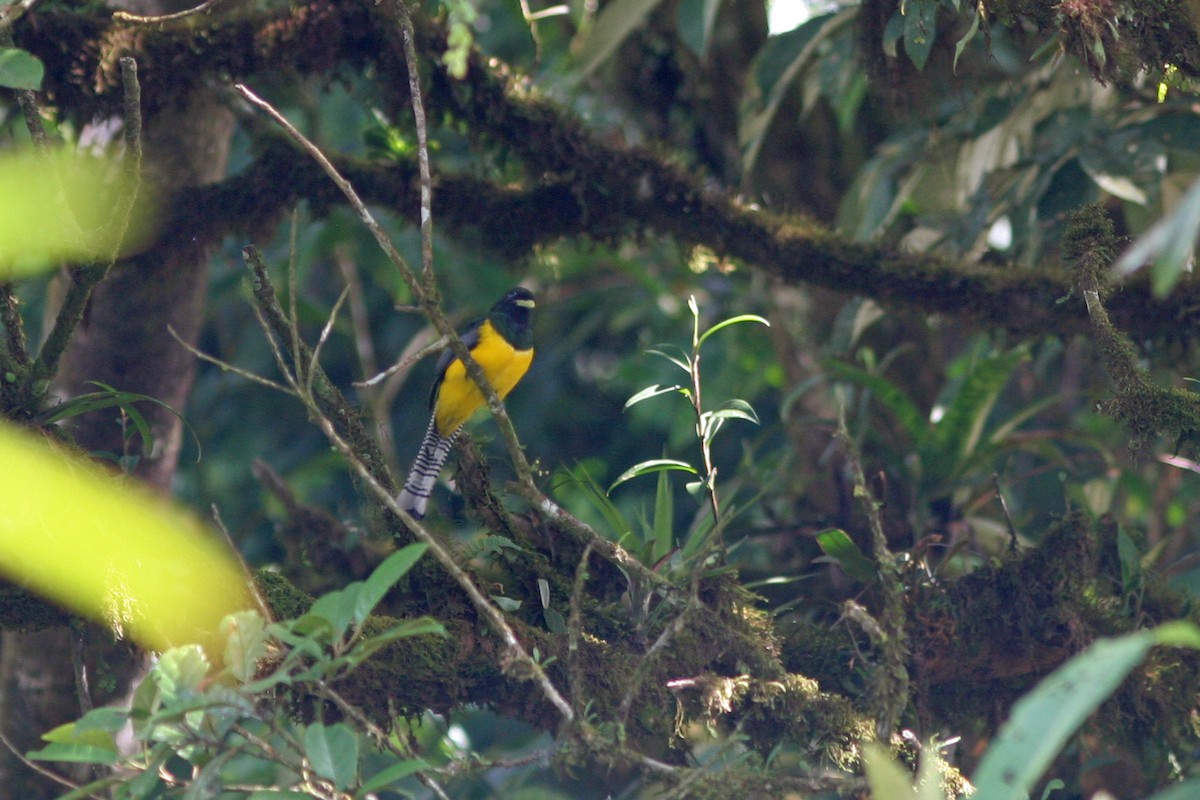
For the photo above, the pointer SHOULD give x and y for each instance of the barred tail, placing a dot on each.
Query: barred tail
(434, 450)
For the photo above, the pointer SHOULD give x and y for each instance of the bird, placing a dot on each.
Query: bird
(502, 344)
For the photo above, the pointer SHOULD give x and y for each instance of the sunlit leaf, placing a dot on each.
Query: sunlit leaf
(733, 321)
(836, 545)
(651, 466)
(651, 391)
(680, 359)
(109, 550)
(59, 208)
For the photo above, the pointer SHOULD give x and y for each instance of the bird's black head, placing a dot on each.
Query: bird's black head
(511, 315)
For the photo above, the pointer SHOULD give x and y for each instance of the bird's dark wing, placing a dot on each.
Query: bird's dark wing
(470, 337)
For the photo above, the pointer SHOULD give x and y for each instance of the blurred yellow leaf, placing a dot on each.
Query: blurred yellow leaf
(64, 207)
(112, 551)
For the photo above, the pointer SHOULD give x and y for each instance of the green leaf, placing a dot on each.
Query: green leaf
(612, 26)
(779, 63)
(663, 525)
(735, 409)
(506, 603)
(109, 398)
(180, 671)
(920, 30)
(612, 515)
(332, 751)
(1043, 720)
(733, 321)
(245, 643)
(20, 69)
(694, 22)
(910, 418)
(393, 774)
(962, 43)
(836, 545)
(651, 391)
(886, 777)
(554, 620)
(1169, 243)
(384, 577)
(337, 607)
(1131, 563)
(97, 788)
(77, 743)
(682, 360)
(653, 465)
(368, 646)
(957, 433)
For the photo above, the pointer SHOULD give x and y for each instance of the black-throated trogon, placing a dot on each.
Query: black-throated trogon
(502, 344)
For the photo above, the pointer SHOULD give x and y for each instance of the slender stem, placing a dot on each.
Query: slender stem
(414, 89)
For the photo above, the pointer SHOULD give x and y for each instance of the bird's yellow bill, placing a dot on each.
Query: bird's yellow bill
(109, 550)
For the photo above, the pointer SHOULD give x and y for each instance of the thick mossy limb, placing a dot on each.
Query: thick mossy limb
(1146, 409)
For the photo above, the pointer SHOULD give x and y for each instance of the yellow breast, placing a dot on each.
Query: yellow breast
(458, 397)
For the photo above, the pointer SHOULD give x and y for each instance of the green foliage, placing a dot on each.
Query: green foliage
(952, 446)
(1043, 720)
(1169, 245)
(203, 734)
(20, 69)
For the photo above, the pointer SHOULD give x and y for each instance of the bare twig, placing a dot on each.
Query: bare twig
(575, 630)
(418, 107)
(360, 208)
(643, 667)
(391, 743)
(39, 769)
(227, 367)
(889, 679)
(406, 361)
(324, 337)
(137, 19)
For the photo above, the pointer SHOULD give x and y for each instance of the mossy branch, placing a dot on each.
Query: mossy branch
(1146, 409)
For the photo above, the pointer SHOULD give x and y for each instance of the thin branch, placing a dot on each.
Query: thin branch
(406, 362)
(137, 19)
(575, 630)
(314, 360)
(227, 367)
(381, 736)
(889, 677)
(418, 107)
(39, 769)
(360, 208)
